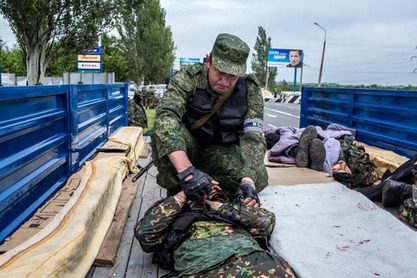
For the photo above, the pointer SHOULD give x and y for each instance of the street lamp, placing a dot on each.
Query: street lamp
(322, 55)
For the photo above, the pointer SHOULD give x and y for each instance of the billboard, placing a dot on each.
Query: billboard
(95, 58)
(189, 61)
(290, 58)
(92, 51)
(90, 60)
(89, 66)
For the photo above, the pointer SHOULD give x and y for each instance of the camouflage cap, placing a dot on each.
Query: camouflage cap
(229, 54)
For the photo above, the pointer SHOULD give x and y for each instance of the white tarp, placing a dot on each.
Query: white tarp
(328, 230)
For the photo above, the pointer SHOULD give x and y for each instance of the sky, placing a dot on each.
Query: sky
(367, 41)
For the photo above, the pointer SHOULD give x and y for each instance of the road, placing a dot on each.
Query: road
(281, 114)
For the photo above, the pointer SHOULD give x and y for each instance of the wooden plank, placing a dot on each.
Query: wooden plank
(108, 250)
(140, 263)
(151, 188)
(119, 268)
(131, 261)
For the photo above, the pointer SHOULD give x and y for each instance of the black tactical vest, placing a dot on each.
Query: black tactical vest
(225, 126)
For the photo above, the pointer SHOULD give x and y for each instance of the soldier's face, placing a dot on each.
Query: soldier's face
(341, 167)
(219, 81)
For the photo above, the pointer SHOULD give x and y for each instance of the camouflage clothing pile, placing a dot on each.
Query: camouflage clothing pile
(408, 212)
(215, 248)
(226, 163)
(359, 162)
(136, 115)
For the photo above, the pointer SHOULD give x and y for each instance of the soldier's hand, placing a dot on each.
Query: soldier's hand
(195, 183)
(246, 194)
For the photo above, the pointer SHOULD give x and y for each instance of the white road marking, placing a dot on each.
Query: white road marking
(272, 126)
(284, 113)
(272, 116)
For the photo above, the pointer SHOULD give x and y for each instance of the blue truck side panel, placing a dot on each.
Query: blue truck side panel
(46, 134)
(382, 118)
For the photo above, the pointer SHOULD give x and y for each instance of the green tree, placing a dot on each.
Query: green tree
(259, 65)
(284, 86)
(47, 29)
(147, 40)
(65, 63)
(114, 59)
(13, 60)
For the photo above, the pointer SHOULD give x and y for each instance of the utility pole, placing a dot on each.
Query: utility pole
(322, 55)
(302, 68)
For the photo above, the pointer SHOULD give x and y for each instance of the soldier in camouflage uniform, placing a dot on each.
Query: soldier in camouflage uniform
(149, 98)
(136, 114)
(213, 248)
(227, 149)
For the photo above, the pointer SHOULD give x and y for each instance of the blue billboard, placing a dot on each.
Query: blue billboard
(90, 60)
(290, 58)
(92, 51)
(189, 61)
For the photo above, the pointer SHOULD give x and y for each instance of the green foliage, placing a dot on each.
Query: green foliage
(150, 115)
(146, 40)
(284, 86)
(259, 59)
(65, 63)
(47, 29)
(372, 86)
(114, 59)
(13, 61)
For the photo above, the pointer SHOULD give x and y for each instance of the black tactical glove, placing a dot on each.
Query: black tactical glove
(196, 187)
(244, 191)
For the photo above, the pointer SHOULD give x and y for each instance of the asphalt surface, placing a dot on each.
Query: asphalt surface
(281, 114)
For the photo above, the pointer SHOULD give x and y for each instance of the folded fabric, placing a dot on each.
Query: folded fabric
(290, 136)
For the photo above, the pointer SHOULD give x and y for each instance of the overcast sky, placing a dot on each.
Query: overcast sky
(368, 41)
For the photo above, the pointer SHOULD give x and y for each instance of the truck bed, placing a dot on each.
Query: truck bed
(131, 261)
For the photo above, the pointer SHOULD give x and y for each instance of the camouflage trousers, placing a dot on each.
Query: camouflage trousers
(221, 162)
(148, 103)
(257, 264)
(408, 212)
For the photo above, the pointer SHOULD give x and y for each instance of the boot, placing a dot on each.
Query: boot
(317, 154)
(395, 193)
(301, 153)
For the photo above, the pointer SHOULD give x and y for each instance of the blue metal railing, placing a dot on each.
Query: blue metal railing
(46, 134)
(382, 118)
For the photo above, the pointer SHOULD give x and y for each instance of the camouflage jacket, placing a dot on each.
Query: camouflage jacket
(210, 242)
(150, 94)
(172, 108)
(136, 114)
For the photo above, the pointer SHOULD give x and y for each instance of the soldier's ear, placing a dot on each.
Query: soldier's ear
(208, 61)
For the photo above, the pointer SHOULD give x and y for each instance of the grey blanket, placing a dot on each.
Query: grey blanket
(328, 230)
